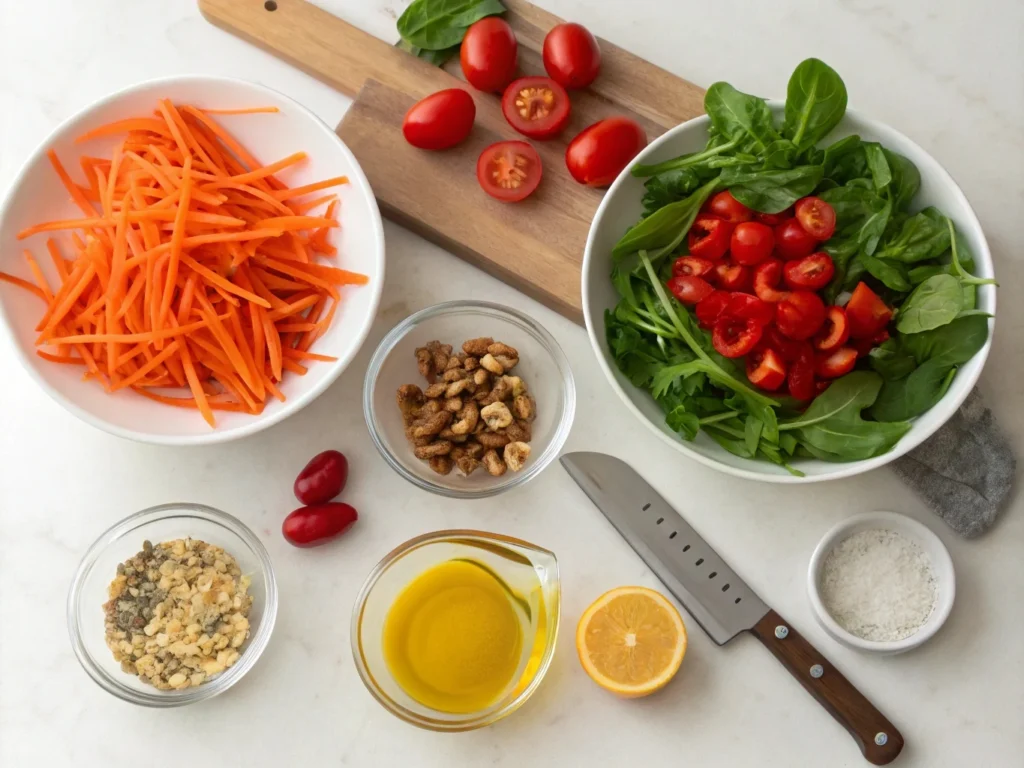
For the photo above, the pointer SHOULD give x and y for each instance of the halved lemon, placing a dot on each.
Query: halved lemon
(631, 641)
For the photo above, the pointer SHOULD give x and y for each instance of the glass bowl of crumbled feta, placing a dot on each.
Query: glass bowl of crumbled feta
(172, 605)
(881, 582)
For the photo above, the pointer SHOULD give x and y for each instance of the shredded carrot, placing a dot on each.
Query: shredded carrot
(194, 268)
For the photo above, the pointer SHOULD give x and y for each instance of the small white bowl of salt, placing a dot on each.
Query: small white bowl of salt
(881, 582)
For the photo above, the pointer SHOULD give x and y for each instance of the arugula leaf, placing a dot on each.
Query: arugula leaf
(935, 302)
(815, 103)
(771, 191)
(436, 25)
(740, 117)
(682, 421)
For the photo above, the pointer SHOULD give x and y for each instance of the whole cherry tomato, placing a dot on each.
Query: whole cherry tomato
(732, 277)
(766, 369)
(571, 55)
(816, 216)
(811, 272)
(792, 241)
(691, 266)
(709, 237)
(866, 312)
(317, 524)
(441, 120)
(800, 315)
(322, 478)
(751, 243)
(690, 290)
(767, 276)
(835, 332)
(509, 170)
(537, 107)
(735, 337)
(488, 54)
(599, 153)
(725, 206)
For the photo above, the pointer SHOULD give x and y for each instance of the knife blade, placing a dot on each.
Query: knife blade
(718, 599)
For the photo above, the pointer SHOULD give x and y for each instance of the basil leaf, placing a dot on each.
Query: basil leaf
(935, 302)
(815, 103)
(439, 24)
(740, 117)
(771, 191)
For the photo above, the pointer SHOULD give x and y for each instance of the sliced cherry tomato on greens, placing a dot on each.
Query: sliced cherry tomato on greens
(489, 54)
(793, 241)
(773, 219)
(751, 243)
(800, 315)
(692, 265)
(571, 55)
(800, 378)
(711, 308)
(709, 237)
(767, 276)
(599, 152)
(690, 290)
(735, 337)
(817, 217)
(441, 120)
(867, 313)
(731, 277)
(811, 272)
(747, 307)
(837, 363)
(725, 206)
(509, 170)
(766, 369)
(790, 350)
(537, 107)
(835, 332)
(864, 346)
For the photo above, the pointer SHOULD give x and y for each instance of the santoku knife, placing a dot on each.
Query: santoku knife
(718, 599)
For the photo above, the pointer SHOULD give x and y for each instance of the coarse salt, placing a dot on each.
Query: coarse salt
(878, 585)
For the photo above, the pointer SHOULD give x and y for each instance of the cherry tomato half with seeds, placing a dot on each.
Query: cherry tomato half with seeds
(732, 277)
(747, 307)
(441, 120)
(725, 206)
(766, 369)
(711, 308)
(800, 378)
(693, 266)
(773, 219)
(322, 478)
(690, 290)
(599, 152)
(800, 315)
(767, 276)
(792, 241)
(571, 55)
(817, 217)
(867, 313)
(790, 350)
(835, 332)
(488, 54)
(509, 170)
(837, 363)
(751, 243)
(317, 524)
(537, 107)
(735, 337)
(811, 272)
(709, 237)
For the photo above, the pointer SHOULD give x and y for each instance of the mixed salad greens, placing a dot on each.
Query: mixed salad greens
(915, 261)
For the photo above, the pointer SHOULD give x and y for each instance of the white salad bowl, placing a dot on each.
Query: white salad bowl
(621, 208)
(37, 195)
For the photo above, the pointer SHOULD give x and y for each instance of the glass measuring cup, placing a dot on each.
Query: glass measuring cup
(528, 571)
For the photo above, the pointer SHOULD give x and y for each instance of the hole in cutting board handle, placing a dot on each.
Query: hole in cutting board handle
(270, 5)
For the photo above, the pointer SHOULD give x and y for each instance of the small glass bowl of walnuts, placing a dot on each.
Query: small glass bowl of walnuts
(467, 399)
(172, 605)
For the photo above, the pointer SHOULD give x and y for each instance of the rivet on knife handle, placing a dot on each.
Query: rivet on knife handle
(877, 737)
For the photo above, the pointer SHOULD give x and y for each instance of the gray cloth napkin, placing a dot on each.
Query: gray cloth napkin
(964, 471)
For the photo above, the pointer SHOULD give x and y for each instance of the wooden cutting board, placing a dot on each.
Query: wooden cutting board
(535, 245)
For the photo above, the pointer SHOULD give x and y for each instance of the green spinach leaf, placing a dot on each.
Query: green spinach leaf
(920, 238)
(891, 274)
(912, 396)
(891, 360)
(878, 165)
(666, 227)
(436, 25)
(771, 191)
(815, 103)
(437, 58)
(740, 117)
(668, 187)
(935, 302)
(906, 179)
(951, 344)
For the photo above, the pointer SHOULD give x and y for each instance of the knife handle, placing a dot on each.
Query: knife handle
(877, 737)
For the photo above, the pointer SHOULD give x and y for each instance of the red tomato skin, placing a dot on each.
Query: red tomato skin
(733, 337)
(322, 479)
(811, 273)
(690, 290)
(692, 265)
(817, 217)
(751, 243)
(725, 206)
(441, 120)
(867, 313)
(489, 54)
(711, 308)
(773, 219)
(732, 277)
(546, 127)
(503, 148)
(800, 315)
(767, 276)
(800, 378)
(835, 332)
(766, 369)
(747, 307)
(832, 365)
(793, 241)
(709, 237)
(317, 524)
(601, 151)
(572, 57)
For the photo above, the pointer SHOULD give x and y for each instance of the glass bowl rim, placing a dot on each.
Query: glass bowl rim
(500, 311)
(256, 644)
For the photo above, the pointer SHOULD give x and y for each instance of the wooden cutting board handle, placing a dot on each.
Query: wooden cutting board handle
(877, 737)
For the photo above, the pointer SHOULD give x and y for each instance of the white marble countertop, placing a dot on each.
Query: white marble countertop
(947, 74)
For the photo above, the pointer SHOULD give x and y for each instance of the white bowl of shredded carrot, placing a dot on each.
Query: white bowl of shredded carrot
(189, 260)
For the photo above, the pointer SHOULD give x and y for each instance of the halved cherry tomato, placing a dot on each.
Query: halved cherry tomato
(835, 364)
(711, 308)
(800, 378)
(732, 277)
(441, 120)
(793, 241)
(488, 54)
(571, 55)
(537, 107)
(725, 206)
(800, 315)
(767, 276)
(773, 219)
(709, 237)
(811, 272)
(864, 346)
(691, 265)
(835, 332)
(599, 152)
(817, 217)
(509, 170)
(821, 385)
(790, 350)
(867, 313)
(747, 307)
(751, 243)
(765, 369)
(735, 337)
(690, 290)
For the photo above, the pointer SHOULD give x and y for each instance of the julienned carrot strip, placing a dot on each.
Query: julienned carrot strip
(38, 275)
(150, 124)
(268, 170)
(288, 194)
(214, 279)
(130, 338)
(294, 367)
(177, 236)
(298, 354)
(244, 111)
(53, 226)
(199, 396)
(66, 359)
(169, 350)
(301, 209)
(273, 345)
(72, 188)
(289, 223)
(14, 280)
